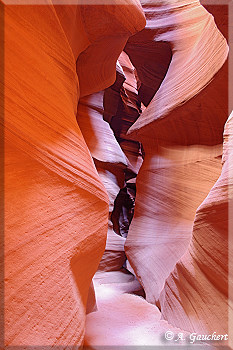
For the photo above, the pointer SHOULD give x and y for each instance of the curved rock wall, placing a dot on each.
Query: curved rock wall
(64, 169)
(199, 50)
(110, 163)
(182, 144)
(56, 207)
(204, 269)
(171, 184)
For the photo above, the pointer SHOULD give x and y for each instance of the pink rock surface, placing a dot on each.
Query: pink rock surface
(121, 110)
(171, 184)
(198, 51)
(97, 132)
(129, 113)
(182, 143)
(110, 163)
(204, 268)
(124, 319)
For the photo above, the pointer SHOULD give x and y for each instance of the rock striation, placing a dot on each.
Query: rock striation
(56, 207)
(204, 268)
(181, 133)
(102, 102)
(110, 163)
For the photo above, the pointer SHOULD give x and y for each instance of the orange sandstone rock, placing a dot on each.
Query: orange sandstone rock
(56, 207)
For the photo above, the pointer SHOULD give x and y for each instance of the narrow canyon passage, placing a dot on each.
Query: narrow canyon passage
(173, 168)
(118, 148)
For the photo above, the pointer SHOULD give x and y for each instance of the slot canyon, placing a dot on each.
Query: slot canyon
(118, 169)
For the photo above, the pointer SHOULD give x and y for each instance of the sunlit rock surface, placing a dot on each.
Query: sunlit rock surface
(56, 207)
(124, 319)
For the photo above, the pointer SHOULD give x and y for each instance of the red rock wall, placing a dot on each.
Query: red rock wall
(56, 206)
